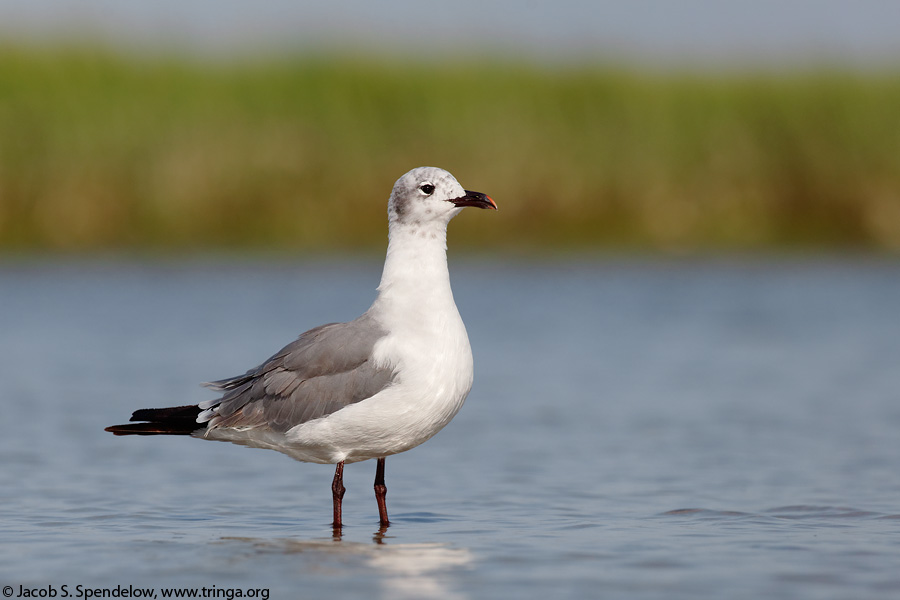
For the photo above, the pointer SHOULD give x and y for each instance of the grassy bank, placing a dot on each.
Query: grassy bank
(99, 151)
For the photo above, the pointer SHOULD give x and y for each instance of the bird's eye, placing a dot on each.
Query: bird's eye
(427, 189)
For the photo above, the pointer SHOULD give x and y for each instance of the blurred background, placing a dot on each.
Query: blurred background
(648, 125)
(685, 315)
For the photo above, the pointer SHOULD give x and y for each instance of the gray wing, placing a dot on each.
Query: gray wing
(324, 370)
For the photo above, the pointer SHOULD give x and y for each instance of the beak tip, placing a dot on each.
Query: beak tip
(476, 199)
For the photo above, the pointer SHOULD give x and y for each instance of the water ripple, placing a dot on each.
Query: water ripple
(793, 512)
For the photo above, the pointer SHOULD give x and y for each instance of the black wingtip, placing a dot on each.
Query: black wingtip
(182, 428)
(171, 413)
(175, 420)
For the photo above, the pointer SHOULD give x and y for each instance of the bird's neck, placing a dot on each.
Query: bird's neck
(415, 280)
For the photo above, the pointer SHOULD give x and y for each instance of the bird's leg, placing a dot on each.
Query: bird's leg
(337, 493)
(381, 493)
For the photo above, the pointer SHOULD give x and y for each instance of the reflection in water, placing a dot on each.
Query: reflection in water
(419, 570)
(403, 570)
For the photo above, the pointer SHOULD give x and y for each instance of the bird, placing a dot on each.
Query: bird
(365, 389)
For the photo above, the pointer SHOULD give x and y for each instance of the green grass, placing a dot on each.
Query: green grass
(100, 151)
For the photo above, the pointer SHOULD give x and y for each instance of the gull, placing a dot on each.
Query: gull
(368, 388)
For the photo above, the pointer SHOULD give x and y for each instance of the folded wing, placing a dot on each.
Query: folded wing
(323, 371)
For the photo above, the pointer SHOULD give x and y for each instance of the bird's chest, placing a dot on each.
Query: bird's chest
(430, 353)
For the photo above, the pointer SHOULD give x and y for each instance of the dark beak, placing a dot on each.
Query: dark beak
(476, 199)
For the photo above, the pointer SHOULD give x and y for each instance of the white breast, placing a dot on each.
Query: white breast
(434, 372)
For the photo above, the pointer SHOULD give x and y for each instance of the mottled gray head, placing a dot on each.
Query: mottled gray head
(429, 194)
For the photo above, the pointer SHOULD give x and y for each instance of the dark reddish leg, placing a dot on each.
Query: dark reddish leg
(381, 493)
(337, 493)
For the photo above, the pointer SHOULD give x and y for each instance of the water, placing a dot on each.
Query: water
(638, 429)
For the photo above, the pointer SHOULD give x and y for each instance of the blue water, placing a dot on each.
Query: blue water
(638, 429)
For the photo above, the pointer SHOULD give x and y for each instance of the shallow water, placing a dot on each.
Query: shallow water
(638, 428)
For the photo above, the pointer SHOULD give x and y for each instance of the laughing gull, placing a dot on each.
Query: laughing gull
(369, 388)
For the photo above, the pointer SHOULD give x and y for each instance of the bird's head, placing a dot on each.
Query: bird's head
(429, 195)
